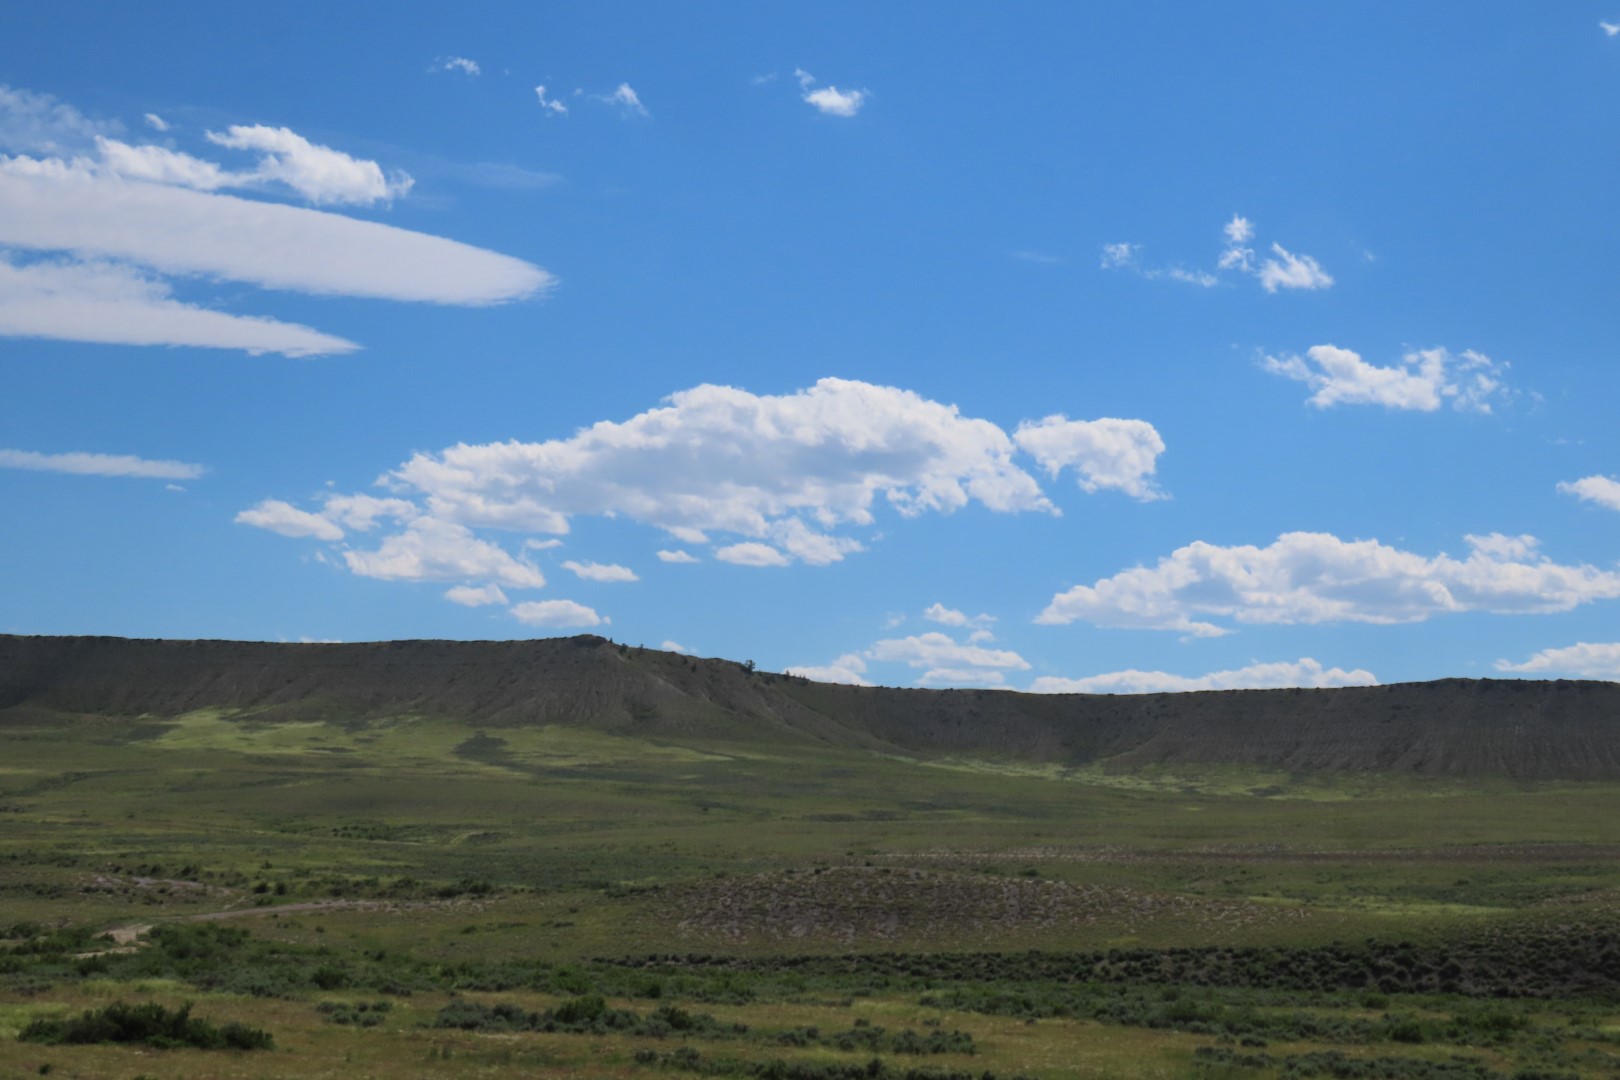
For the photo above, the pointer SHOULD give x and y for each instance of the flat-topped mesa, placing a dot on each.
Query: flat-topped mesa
(1526, 729)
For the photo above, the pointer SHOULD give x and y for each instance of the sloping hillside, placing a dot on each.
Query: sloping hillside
(1453, 727)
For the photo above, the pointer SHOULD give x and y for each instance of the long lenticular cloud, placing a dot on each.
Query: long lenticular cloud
(56, 205)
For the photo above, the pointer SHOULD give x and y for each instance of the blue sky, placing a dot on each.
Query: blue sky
(1103, 348)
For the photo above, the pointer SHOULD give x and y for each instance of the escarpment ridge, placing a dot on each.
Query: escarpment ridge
(1525, 729)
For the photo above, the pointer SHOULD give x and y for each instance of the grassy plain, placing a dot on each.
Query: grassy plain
(1217, 921)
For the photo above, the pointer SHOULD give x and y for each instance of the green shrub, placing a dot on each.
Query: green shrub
(149, 1024)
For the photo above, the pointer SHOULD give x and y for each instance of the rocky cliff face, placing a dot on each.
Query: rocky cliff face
(1453, 727)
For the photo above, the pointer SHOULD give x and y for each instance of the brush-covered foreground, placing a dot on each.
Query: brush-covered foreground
(414, 897)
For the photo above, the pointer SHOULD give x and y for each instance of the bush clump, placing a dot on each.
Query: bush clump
(148, 1024)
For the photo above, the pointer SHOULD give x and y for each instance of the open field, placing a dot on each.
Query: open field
(777, 909)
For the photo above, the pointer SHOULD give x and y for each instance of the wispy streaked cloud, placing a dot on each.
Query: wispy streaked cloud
(80, 463)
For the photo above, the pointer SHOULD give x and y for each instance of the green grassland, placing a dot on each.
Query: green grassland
(1210, 921)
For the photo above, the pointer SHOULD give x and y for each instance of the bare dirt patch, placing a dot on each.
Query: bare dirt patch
(862, 905)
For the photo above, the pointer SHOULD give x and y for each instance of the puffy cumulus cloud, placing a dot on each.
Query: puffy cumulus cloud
(591, 571)
(945, 616)
(80, 463)
(475, 595)
(1305, 672)
(751, 553)
(1290, 271)
(675, 647)
(430, 550)
(363, 512)
(760, 480)
(33, 123)
(778, 471)
(848, 669)
(161, 165)
(1582, 661)
(114, 304)
(560, 614)
(1318, 578)
(829, 100)
(1603, 490)
(1424, 380)
(286, 519)
(1117, 454)
(80, 207)
(318, 173)
(949, 677)
(937, 651)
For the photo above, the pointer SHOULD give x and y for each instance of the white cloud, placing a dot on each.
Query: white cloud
(153, 120)
(1106, 453)
(475, 596)
(1285, 271)
(1125, 256)
(550, 104)
(981, 634)
(542, 545)
(848, 669)
(1610, 28)
(1240, 230)
(362, 512)
(1602, 490)
(430, 550)
(1293, 272)
(1115, 256)
(832, 101)
(318, 173)
(777, 471)
(770, 480)
(1306, 673)
(626, 99)
(77, 206)
(961, 677)
(160, 165)
(936, 650)
(1582, 661)
(288, 520)
(675, 647)
(458, 63)
(556, 613)
(751, 553)
(829, 100)
(945, 616)
(1308, 578)
(1202, 278)
(33, 123)
(1424, 380)
(110, 303)
(591, 571)
(87, 464)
